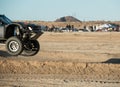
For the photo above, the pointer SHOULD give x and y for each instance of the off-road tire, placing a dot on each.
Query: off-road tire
(33, 49)
(14, 46)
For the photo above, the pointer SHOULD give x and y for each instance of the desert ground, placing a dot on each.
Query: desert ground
(69, 59)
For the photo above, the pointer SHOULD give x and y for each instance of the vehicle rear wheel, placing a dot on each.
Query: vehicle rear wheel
(14, 46)
(31, 48)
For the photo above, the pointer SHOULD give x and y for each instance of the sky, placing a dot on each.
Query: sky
(50, 10)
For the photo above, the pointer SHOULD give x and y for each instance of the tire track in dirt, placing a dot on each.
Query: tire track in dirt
(24, 80)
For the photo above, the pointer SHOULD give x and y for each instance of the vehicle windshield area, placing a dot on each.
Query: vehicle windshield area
(5, 20)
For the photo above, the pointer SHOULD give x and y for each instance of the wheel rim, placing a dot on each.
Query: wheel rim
(13, 46)
(31, 48)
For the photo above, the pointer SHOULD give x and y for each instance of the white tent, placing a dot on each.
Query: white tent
(106, 26)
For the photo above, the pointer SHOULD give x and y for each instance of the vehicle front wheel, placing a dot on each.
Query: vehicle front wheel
(14, 46)
(31, 48)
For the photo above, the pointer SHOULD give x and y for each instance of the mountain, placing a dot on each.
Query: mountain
(67, 19)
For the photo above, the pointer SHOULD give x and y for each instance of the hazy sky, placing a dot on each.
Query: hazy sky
(49, 10)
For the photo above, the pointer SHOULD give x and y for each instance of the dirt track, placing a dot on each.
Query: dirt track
(66, 60)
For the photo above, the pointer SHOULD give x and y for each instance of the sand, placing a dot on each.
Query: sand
(69, 59)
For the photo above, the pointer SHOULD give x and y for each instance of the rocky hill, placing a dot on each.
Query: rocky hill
(67, 19)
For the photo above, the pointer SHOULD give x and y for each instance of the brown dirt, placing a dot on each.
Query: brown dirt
(86, 69)
(90, 57)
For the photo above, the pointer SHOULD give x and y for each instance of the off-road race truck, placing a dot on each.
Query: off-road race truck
(20, 38)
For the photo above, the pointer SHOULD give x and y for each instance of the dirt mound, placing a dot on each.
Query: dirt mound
(67, 19)
(36, 67)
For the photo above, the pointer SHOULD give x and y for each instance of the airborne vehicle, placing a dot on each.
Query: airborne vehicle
(19, 37)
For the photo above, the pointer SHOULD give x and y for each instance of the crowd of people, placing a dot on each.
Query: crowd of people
(71, 28)
(53, 28)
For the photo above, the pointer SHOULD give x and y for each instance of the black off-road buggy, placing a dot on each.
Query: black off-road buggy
(20, 38)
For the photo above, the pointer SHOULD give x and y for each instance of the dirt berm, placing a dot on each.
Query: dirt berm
(99, 70)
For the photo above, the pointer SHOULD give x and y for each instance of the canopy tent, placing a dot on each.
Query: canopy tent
(107, 26)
